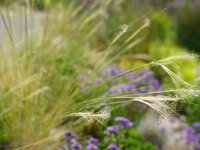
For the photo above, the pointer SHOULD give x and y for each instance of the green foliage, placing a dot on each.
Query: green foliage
(134, 141)
(3, 138)
(188, 31)
(3, 141)
(192, 110)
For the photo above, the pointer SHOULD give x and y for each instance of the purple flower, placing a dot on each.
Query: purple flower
(81, 77)
(121, 119)
(144, 72)
(63, 148)
(91, 82)
(113, 128)
(66, 147)
(84, 88)
(142, 106)
(189, 141)
(122, 87)
(176, 137)
(105, 132)
(91, 147)
(197, 136)
(155, 82)
(196, 124)
(162, 128)
(112, 147)
(69, 137)
(144, 89)
(93, 140)
(76, 146)
(98, 80)
(115, 71)
(197, 145)
(127, 123)
(188, 131)
(125, 105)
(131, 76)
(173, 119)
(110, 90)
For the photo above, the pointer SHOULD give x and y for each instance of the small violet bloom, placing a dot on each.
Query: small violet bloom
(127, 123)
(81, 77)
(84, 88)
(176, 137)
(196, 124)
(91, 147)
(112, 147)
(188, 131)
(197, 145)
(162, 128)
(98, 80)
(173, 119)
(189, 141)
(76, 146)
(69, 137)
(197, 136)
(113, 128)
(142, 106)
(93, 140)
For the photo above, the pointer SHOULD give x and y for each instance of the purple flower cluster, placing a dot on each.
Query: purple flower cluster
(76, 146)
(173, 119)
(142, 82)
(112, 147)
(72, 144)
(130, 83)
(193, 138)
(127, 123)
(91, 147)
(196, 124)
(188, 134)
(92, 144)
(93, 140)
(70, 138)
(115, 128)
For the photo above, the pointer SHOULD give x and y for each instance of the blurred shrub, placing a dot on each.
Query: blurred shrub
(161, 39)
(167, 48)
(160, 26)
(134, 141)
(188, 31)
(192, 110)
(160, 29)
(3, 139)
